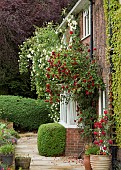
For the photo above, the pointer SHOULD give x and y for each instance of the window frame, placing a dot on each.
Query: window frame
(86, 22)
(67, 112)
(102, 102)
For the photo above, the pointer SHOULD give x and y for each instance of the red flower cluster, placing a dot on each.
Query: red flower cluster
(102, 133)
(70, 71)
(71, 32)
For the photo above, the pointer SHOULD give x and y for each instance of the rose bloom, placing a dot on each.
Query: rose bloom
(110, 142)
(104, 147)
(105, 112)
(101, 141)
(95, 133)
(71, 32)
(96, 142)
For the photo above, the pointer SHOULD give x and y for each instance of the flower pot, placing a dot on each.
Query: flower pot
(86, 162)
(23, 162)
(100, 162)
(7, 159)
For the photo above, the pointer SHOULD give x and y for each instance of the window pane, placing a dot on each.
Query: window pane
(87, 24)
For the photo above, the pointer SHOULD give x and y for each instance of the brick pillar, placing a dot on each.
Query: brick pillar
(74, 143)
(119, 155)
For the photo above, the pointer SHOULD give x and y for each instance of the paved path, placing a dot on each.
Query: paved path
(27, 145)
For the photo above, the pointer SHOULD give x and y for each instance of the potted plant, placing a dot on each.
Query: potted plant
(86, 158)
(22, 162)
(7, 154)
(7, 135)
(100, 155)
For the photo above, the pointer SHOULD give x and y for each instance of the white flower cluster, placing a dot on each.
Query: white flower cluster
(72, 23)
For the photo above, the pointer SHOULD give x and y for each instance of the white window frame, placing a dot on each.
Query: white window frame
(67, 112)
(102, 102)
(86, 23)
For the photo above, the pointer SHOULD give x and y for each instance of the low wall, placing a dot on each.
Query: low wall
(74, 143)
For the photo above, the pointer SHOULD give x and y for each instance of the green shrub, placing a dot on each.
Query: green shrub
(14, 133)
(51, 139)
(25, 113)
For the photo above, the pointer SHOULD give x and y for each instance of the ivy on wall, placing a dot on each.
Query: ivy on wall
(112, 10)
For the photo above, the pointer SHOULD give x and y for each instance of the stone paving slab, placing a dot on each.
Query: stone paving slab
(55, 168)
(27, 146)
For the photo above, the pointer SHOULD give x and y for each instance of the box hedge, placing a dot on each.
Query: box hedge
(25, 113)
(51, 139)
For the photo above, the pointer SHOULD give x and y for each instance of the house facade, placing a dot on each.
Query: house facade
(92, 32)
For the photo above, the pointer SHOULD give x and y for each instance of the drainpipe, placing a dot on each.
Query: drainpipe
(91, 29)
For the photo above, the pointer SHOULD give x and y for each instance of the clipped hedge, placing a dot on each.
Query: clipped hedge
(51, 139)
(25, 113)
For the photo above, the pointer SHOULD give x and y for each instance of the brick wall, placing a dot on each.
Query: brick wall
(100, 37)
(119, 155)
(74, 143)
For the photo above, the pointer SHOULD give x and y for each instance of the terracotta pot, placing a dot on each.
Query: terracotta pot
(87, 164)
(100, 162)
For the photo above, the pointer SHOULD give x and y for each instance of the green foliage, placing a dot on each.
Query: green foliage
(51, 139)
(58, 66)
(94, 150)
(7, 149)
(25, 113)
(113, 17)
(7, 135)
(117, 74)
(13, 133)
(21, 86)
(34, 53)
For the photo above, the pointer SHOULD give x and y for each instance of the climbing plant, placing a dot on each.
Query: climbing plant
(112, 10)
(64, 66)
(34, 53)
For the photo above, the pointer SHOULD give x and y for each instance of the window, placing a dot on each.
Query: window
(67, 111)
(86, 22)
(102, 102)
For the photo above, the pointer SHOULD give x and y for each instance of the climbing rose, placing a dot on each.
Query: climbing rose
(104, 147)
(110, 142)
(71, 32)
(101, 141)
(95, 133)
(105, 112)
(94, 49)
(89, 50)
(96, 142)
